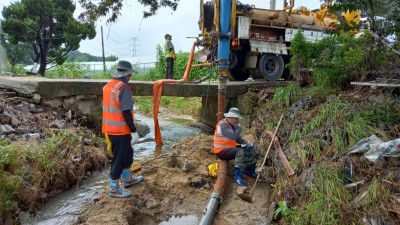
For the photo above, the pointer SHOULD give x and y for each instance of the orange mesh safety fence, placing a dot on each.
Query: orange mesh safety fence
(157, 91)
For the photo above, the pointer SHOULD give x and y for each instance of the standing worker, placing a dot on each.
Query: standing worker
(169, 56)
(227, 138)
(119, 128)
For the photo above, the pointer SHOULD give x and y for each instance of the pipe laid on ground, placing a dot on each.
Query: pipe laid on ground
(216, 197)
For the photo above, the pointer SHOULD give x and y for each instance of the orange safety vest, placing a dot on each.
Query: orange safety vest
(113, 119)
(220, 141)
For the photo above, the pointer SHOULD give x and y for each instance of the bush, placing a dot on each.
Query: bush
(68, 70)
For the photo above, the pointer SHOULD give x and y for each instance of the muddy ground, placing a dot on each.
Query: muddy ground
(177, 187)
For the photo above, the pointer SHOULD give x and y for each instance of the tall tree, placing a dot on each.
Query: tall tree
(48, 26)
(99, 8)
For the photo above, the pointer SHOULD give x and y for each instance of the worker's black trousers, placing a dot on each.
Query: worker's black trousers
(122, 154)
(170, 68)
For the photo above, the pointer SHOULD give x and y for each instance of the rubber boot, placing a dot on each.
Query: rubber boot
(238, 173)
(251, 171)
(116, 191)
(128, 180)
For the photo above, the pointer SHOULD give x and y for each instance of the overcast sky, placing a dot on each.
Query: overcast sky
(131, 32)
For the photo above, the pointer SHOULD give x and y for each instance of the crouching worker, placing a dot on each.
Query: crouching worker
(119, 128)
(227, 138)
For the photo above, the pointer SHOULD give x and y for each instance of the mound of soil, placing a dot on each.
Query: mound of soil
(177, 186)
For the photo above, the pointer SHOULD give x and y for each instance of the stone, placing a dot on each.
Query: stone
(142, 128)
(10, 94)
(32, 108)
(23, 107)
(55, 103)
(4, 119)
(60, 124)
(88, 106)
(15, 121)
(17, 100)
(70, 103)
(86, 97)
(6, 129)
(34, 136)
(36, 98)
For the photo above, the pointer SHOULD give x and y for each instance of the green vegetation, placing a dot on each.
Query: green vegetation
(325, 199)
(325, 116)
(76, 56)
(283, 209)
(180, 63)
(334, 61)
(36, 169)
(174, 105)
(285, 96)
(48, 26)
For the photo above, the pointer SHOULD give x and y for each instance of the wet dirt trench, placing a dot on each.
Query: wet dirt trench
(175, 190)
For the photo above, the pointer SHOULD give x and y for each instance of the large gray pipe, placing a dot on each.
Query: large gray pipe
(212, 206)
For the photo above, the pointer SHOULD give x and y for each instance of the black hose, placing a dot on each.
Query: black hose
(202, 79)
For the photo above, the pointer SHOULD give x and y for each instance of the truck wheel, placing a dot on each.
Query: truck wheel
(237, 70)
(271, 66)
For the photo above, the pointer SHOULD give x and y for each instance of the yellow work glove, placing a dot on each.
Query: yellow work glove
(109, 146)
(213, 169)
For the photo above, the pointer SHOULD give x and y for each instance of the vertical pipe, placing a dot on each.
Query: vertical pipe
(224, 37)
(225, 11)
(223, 53)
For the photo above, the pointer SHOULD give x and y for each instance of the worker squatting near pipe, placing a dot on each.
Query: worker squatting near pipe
(228, 145)
(120, 130)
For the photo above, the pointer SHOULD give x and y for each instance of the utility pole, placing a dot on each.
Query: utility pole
(272, 4)
(102, 46)
(135, 46)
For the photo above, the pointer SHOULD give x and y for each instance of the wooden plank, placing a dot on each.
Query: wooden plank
(376, 84)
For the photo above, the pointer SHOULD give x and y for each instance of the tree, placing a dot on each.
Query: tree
(383, 16)
(111, 58)
(48, 26)
(16, 53)
(95, 8)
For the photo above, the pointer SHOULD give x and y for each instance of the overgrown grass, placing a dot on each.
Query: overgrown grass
(10, 160)
(174, 105)
(41, 165)
(285, 96)
(326, 198)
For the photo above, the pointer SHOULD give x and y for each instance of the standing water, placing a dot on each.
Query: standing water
(66, 207)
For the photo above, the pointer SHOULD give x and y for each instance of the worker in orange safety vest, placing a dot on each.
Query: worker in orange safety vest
(119, 128)
(228, 144)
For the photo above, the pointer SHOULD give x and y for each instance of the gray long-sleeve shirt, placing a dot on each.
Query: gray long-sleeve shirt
(232, 132)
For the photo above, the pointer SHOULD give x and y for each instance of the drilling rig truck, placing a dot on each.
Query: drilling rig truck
(260, 38)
